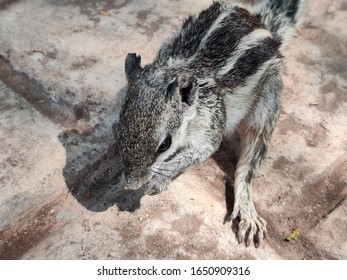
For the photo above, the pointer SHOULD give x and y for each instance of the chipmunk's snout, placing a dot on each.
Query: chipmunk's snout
(130, 177)
(133, 174)
(132, 181)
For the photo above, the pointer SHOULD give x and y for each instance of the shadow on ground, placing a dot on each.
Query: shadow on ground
(93, 169)
(226, 158)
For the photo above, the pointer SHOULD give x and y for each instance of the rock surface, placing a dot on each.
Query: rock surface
(61, 68)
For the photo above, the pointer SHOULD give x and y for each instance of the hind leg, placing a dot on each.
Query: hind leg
(255, 139)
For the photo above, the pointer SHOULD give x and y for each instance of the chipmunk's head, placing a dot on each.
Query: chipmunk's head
(157, 108)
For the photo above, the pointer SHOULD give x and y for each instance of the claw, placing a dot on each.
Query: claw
(258, 237)
(251, 233)
(250, 228)
(240, 231)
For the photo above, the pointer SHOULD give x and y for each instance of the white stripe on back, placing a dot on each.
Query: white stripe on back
(248, 42)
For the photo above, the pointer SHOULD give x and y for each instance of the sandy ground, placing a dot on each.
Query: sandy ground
(61, 68)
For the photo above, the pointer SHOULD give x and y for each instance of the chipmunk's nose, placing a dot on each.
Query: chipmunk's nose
(133, 182)
(129, 177)
(135, 177)
(130, 181)
(134, 173)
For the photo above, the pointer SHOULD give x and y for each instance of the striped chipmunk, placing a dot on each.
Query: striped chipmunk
(221, 71)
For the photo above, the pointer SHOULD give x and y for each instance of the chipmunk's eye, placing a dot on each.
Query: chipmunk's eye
(165, 144)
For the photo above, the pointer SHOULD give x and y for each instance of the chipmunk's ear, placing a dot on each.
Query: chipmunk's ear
(132, 66)
(187, 88)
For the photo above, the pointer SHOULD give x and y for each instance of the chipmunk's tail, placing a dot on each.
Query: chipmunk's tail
(281, 17)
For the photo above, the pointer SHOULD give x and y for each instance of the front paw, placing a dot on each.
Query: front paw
(251, 227)
(156, 186)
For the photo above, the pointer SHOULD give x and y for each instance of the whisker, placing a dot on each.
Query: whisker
(200, 172)
(232, 154)
(160, 170)
(204, 174)
(161, 174)
(163, 169)
(169, 163)
(158, 180)
(196, 173)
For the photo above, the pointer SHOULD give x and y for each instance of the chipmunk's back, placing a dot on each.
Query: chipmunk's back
(225, 43)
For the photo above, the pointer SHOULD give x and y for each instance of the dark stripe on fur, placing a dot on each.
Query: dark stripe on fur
(250, 62)
(224, 40)
(171, 157)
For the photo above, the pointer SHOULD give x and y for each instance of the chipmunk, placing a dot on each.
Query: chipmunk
(221, 72)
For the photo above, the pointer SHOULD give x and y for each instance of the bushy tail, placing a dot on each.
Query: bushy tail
(280, 16)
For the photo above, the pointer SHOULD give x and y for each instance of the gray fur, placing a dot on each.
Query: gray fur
(220, 73)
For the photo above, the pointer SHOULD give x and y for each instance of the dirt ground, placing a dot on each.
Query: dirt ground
(61, 68)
